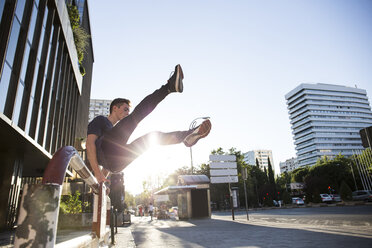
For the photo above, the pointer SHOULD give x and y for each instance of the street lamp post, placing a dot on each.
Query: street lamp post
(192, 126)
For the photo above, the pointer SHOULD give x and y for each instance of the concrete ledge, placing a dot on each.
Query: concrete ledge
(89, 240)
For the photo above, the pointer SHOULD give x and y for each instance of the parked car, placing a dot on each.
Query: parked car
(297, 201)
(326, 198)
(362, 195)
(335, 197)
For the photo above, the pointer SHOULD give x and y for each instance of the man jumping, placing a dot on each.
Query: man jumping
(108, 136)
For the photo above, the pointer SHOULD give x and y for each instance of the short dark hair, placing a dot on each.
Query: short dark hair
(118, 102)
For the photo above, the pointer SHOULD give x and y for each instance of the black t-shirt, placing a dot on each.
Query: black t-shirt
(99, 126)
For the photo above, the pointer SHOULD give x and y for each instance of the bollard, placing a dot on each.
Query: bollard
(112, 225)
(116, 221)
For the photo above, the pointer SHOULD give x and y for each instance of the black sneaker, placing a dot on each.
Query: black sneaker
(199, 132)
(175, 81)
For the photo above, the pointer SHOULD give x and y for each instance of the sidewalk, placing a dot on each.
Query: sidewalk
(124, 238)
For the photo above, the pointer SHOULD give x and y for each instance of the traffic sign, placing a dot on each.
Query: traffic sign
(229, 172)
(223, 165)
(227, 179)
(222, 158)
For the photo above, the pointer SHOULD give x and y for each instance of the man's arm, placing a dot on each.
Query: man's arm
(92, 157)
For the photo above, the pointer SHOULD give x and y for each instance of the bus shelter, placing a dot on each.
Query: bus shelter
(193, 196)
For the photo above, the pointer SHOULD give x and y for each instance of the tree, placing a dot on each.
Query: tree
(299, 174)
(332, 172)
(71, 203)
(313, 188)
(257, 163)
(272, 185)
(271, 173)
(286, 198)
(129, 200)
(259, 179)
(345, 192)
(283, 180)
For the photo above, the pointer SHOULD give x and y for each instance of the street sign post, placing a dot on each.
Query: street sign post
(245, 176)
(223, 169)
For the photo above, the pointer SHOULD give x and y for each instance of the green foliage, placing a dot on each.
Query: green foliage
(345, 192)
(316, 197)
(271, 173)
(283, 180)
(129, 200)
(81, 37)
(268, 201)
(71, 204)
(286, 198)
(331, 172)
(73, 13)
(299, 174)
(273, 191)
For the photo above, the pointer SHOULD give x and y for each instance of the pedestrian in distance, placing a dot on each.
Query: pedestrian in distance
(107, 137)
(151, 210)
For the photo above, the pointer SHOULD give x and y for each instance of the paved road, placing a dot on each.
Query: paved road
(298, 227)
(324, 216)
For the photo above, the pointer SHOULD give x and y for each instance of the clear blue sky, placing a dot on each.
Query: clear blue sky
(239, 58)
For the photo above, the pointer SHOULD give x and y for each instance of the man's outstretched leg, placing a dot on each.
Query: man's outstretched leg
(121, 132)
(128, 153)
(114, 139)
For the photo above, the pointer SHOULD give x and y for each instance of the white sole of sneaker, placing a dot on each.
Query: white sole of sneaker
(199, 133)
(179, 77)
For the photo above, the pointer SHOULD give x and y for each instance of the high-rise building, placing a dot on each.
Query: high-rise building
(98, 107)
(288, 165)
(326, 120)
(262, 156)
(44, 99)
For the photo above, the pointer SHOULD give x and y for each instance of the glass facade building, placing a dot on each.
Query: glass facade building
(326, 120)
(44, 100)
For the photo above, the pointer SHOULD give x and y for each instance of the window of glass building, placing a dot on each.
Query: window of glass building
(29, 112)
(2, 3)
(31, 29)
(20, 9)
(25, 62)
(17, 105)
(4, 84)
(12, 44)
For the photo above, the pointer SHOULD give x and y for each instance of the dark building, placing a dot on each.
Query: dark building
(44, 99)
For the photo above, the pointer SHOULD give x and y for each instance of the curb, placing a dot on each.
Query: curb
(310, 205)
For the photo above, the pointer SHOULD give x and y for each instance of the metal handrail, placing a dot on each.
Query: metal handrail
(57, 167)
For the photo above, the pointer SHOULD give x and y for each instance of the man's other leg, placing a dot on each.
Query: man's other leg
(122, 156)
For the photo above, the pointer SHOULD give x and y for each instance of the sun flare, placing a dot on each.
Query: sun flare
(154, 166)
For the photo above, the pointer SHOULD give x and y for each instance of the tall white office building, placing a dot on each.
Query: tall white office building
(326, 120)
(262, 156)
(98, 107)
